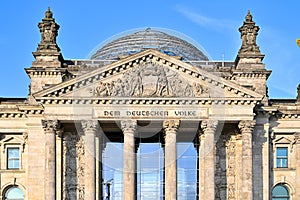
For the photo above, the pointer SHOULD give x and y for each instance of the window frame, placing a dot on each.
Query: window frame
(10, 188)
(282, 158)
(288, 197)
(13, 159)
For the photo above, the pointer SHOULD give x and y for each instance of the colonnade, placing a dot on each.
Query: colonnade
(207, 158)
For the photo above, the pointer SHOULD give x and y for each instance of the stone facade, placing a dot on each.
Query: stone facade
(53, 142)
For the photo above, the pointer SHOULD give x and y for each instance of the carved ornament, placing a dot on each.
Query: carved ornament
(49, 31)
(209, 126)
(51, 126)
(246, 126)
(249, 32)
(171, 125)
(150, 80)
(297, 138)
(74, 167)
(90, 126)
(298, 93)
(128, 126)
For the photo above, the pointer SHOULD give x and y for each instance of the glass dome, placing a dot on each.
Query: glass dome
(173, 44)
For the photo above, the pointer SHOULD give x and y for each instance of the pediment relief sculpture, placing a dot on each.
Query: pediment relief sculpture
(150, 80)
(146, 74)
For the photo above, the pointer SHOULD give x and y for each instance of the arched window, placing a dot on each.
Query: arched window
(280, 192)
(14, 193)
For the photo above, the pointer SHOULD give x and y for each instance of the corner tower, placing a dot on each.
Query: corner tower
(47, 67)
(249, 69)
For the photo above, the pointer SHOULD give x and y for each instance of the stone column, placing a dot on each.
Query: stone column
(100, 146)
(129, 172)
(59, 164)
(207, 160)
(170, 130)
(51, 127)
(246, 128)
(90, 128)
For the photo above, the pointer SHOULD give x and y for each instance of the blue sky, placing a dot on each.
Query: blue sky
(213, 24)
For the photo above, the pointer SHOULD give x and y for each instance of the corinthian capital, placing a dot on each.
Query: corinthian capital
(246, 126)
(90, 126)
(171, 125)
(51, 126)
(128, 125)
(209, 125)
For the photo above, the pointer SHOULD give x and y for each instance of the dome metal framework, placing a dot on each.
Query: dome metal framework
(149, 39)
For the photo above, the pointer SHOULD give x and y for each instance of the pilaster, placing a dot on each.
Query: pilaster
(90, 128)
(129, 172)
(170, 129)
(207, 160)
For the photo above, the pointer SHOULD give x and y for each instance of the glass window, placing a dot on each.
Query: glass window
(282, 157)
(14, 193)
(280, 192)
(13, 158)
(150, 164)
(112, 163)
(186, 171)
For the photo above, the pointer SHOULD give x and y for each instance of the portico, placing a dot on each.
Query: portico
(93, 135)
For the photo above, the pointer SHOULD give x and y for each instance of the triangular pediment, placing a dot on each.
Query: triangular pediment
(283, 140)
(148, 74)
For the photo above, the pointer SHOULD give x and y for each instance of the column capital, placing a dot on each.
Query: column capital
(246, 126)
(171, 125)
(129, 126)
(51, 126)
(209, 126)
(90, 126)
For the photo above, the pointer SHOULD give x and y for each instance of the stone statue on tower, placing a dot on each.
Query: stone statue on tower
(49, 31)
(48, 53)
(249, 33)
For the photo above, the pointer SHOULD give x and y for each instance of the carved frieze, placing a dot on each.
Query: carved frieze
(231, 167)
(220, 173)
(150, 80)
(74, 165)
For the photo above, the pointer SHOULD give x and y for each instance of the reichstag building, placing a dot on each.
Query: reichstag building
(149, 117)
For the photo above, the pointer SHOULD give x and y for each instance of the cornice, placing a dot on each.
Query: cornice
(148, 101)
(44, 72)
(290, 116)
(267, 110)
(22, 111)
(31, 109)
(12, 114)
(252, 74)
